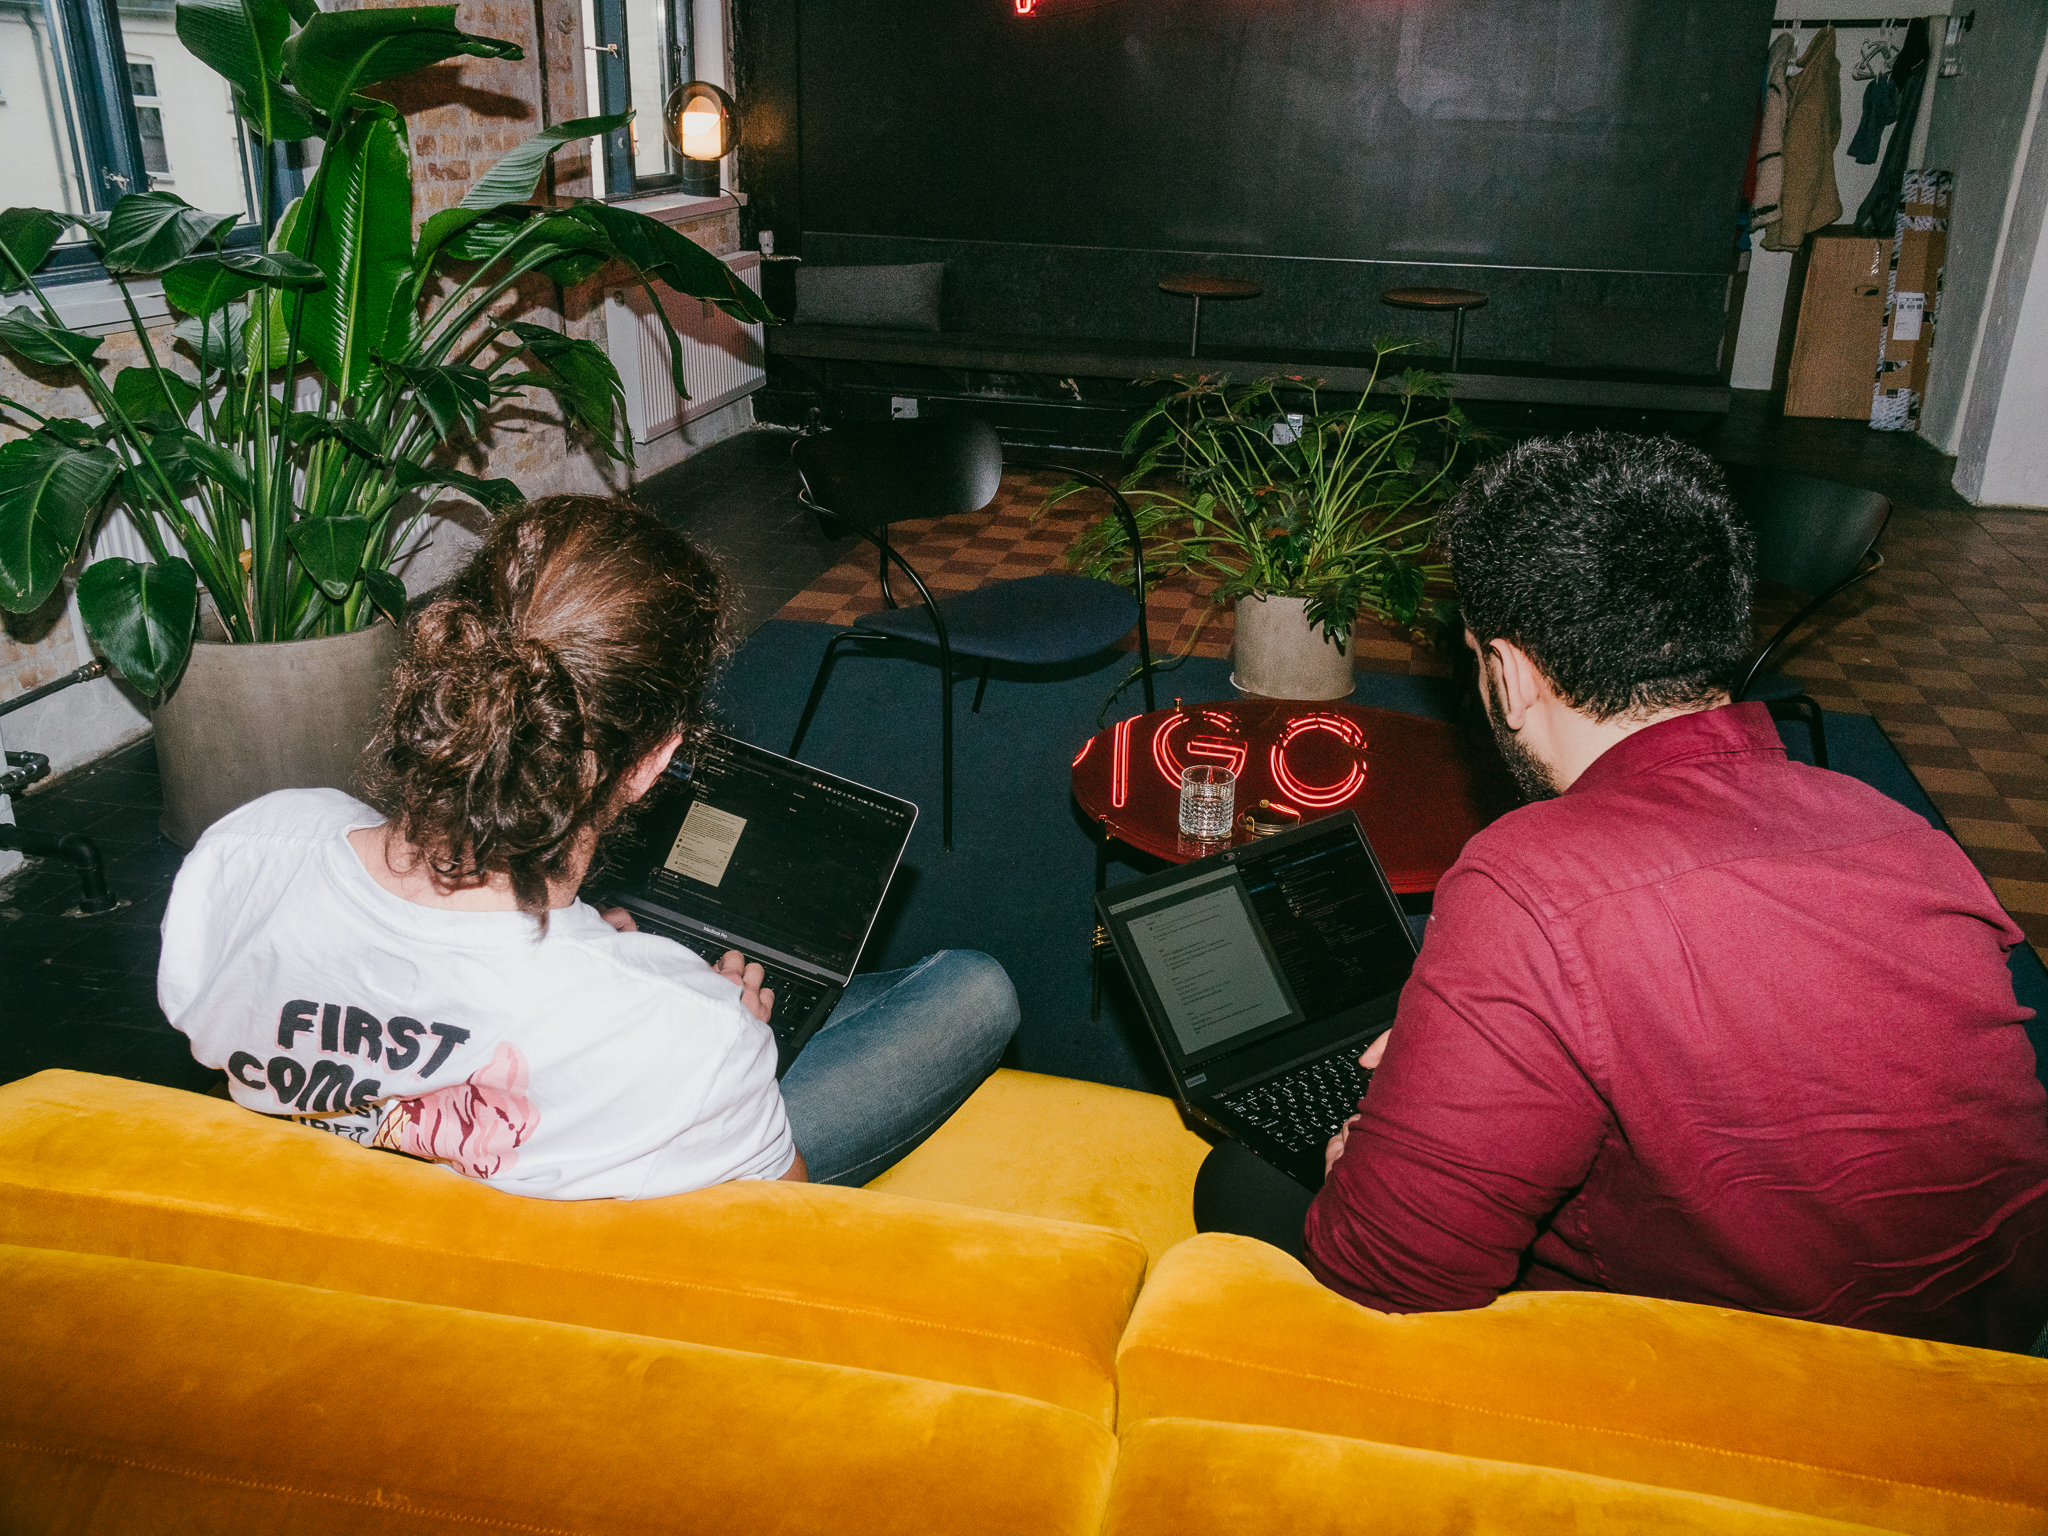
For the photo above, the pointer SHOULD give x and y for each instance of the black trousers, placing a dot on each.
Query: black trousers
(1237, 1192)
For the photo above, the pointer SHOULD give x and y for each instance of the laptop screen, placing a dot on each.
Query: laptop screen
(762, 845)
(1279, 935)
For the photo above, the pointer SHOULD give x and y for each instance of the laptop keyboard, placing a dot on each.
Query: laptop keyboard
(795, 996)
(1303, 1108)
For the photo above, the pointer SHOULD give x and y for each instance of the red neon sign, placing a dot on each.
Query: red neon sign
(1228, 749)
(1024, 7)
(1120, 763)
(1317, 796)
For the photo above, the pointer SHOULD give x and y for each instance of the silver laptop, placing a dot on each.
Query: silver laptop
(744, 849)
(1264, 971)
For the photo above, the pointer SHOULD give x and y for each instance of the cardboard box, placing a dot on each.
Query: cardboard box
(1841, 311)
(1912, 300)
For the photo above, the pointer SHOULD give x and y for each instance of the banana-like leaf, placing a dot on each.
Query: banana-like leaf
(141, 617)
(27, 234)
(518, 171)
(285, 238)
(79, 434)
(331, 550)
(148, 231)
(363, 243)
(453, 395)
(309, 426)
(581, 378)
(291, 115)
(49, 490)
(243, 41)
(27, 333)
(387, 592)
(220, 341)
(495, 495)
(215, 462)
(199, 285)
(655, 250)
(337, 53)
(144, 392)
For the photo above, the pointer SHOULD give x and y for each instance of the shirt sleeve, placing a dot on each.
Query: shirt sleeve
(739, 1130)
(1479, 1122)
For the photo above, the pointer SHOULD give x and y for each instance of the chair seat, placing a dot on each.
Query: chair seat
(1774, 685)
(1434, 298)
(1035, 620)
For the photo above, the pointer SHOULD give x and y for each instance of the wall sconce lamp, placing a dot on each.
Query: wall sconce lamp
(701, 121)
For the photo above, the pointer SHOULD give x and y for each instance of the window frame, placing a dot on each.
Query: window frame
(611, 47)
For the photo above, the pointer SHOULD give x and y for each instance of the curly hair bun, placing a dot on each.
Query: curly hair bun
(578, 639)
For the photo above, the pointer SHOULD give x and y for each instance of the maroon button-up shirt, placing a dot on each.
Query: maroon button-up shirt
(1716, 1026)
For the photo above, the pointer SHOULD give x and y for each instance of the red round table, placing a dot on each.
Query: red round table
(1420, 787)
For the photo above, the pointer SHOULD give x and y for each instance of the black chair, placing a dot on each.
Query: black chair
(866, 477)
(1814, 536)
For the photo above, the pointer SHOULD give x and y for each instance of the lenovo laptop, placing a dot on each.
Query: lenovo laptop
(787, 864)
(1264, 971)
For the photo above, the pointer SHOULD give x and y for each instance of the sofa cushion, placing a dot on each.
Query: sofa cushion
(840, 1276)
(150, 1397)
(1836, 1422)
(1184, 1477)
(897, 298)
(1050, 1146)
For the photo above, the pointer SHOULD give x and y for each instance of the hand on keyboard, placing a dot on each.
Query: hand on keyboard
(755, 998)
(1335, 1149)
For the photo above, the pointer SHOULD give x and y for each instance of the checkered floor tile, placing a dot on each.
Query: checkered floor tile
(1947, 647)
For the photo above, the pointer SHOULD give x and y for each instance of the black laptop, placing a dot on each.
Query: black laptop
(1264, 971)
(747, 850)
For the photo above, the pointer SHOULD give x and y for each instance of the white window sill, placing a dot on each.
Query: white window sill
(96, 308)
(678, 207)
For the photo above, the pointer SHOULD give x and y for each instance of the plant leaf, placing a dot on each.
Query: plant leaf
(654, 250)
(331, 550)
(49, 490)
(363, 244)
(337, 53)
(285, 238)
(199, 285)
(143, 392)
(219, 341)
(309, 426)
(581, 378)
(27, 333)
(387, 592)
(292, 117)
(141, 617)
(518, 171)
(454, 395)
(148, 231)
(494, 495)
(27, 234)
(219, 464)
(243, 41)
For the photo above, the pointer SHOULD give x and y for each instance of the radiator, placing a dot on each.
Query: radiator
(722, 357)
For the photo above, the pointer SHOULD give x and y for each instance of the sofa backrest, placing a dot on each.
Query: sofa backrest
(1835, 1422)
(149, 1397)
(835, 1276)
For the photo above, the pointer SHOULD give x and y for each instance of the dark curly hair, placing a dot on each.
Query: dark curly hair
(579, 638)
(1617, 563)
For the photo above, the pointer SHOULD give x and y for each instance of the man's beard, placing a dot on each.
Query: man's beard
(1530, 775)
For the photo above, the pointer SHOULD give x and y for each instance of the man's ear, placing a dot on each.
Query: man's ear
(1522, 683)
(650, 768)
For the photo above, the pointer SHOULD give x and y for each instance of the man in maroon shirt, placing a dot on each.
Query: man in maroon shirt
(1699, 1022)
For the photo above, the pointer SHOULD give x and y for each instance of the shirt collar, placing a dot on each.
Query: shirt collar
(1733, 728)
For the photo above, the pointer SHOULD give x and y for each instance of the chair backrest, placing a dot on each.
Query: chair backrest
(881, 471)
(1810, 534)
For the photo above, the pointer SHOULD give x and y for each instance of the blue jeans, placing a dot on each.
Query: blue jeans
(900, 1053)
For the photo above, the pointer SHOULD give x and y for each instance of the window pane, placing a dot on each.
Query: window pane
(648, 45)
(151, 123)
(196, 151)
(141, 79)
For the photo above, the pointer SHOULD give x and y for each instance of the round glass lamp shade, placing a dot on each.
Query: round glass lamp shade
(701, 121)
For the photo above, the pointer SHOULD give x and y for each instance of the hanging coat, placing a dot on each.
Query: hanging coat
(1770, 139)
(1813, 126)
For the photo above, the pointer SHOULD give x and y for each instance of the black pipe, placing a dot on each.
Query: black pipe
(85, 674)
(29, 768)
(75, 849)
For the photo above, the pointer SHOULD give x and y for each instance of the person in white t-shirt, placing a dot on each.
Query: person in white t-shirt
(421, 976)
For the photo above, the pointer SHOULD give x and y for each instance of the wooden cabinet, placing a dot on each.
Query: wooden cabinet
(1841, 318)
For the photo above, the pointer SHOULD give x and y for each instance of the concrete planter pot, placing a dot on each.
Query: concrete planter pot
(247, 719)
(1278, 654)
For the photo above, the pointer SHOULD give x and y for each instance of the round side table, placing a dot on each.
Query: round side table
(1199, 286)
(1456, 300)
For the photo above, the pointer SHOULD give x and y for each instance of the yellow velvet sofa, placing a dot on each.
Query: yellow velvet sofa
(212, 1321)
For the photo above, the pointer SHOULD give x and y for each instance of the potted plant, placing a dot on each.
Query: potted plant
(1303, 519)
(282, 450)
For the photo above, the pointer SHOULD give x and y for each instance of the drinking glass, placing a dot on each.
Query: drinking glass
(1208, 802)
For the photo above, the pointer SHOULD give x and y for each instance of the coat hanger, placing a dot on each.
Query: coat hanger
(1877, 56)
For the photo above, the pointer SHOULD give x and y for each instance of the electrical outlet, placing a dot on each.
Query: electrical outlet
(902, 408)
(1288, 431)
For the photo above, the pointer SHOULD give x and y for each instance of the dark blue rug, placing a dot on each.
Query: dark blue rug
(1019, 882)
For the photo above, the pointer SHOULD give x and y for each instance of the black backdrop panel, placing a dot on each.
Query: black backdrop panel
(1586, 134)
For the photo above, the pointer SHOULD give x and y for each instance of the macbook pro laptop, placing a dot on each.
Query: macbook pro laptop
(787, 864)
(1264, 971)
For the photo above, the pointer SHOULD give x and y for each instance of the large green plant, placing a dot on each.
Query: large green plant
(1338, 511)
(289, 508)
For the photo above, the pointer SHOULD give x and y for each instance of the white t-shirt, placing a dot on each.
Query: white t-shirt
(585, 1064)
